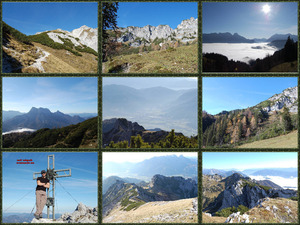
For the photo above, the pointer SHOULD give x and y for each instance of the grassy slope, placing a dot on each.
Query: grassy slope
(150, 212)
(180, 60)
(284, 141)
(62, 61)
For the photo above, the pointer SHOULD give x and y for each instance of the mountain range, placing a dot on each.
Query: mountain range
(38, 118)
(186, 31)
(168, 165)
(50, 51)
(236, 38)
(156, 107)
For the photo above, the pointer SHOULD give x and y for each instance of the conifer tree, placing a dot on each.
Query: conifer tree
(286, 120)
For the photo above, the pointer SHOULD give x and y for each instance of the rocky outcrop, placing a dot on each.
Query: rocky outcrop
(173, 188)
(288, 98)
(187, 30)
(119, 129)
(82, 214)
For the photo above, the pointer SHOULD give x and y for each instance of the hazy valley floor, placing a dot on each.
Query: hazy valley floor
(180, 211)
(284, 141)
(183, 59)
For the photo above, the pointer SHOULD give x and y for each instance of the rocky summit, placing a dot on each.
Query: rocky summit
(288, 98)
(186, 31)
(82, 214)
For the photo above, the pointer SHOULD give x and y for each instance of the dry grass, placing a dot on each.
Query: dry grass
(153, 212)
(62, 61)
(286, 67)
(179, 60)
(213, 219)
(284, 141)
(262, 215)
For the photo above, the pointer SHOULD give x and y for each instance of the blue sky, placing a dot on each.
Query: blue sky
(229, 93)
(248, 18)
(249, 160)
(30, 18)
(17, 180)
(66, 94)
(152, 13)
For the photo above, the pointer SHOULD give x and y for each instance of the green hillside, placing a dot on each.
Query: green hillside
(284, 141)
(81, 135)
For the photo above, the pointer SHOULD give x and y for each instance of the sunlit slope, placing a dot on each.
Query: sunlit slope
(284, 141)
(183, 59)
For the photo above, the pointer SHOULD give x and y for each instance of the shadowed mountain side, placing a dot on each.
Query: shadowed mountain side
(84, 134)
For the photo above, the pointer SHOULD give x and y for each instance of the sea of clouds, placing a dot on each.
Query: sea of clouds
(243, 52)
(20, 130)
(291, 183)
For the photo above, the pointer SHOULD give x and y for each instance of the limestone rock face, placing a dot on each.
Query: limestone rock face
(187, 30)
(288, 98)
(82, 214)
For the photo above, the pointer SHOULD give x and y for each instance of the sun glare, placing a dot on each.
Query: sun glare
(266, 9)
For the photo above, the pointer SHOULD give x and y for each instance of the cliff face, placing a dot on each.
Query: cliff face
(187, 30)
(288, 98)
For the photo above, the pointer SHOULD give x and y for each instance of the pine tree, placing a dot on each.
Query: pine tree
(109, 21)
(132, 142)
(286, 120)
(139, 141)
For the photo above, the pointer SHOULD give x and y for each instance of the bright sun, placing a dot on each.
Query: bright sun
(266, 9)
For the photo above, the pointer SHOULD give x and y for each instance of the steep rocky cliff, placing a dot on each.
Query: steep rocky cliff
(288, 98)
(187, 30)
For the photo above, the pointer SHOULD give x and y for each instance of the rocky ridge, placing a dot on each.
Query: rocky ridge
(80, 36)
(288, 98)
(186, 31)
(120, 129)
(161, 188)
(244, 191)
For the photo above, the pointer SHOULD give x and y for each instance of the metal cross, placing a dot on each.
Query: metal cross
(52, 174)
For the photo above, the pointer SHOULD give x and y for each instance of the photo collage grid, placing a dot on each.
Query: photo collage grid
(171, 112)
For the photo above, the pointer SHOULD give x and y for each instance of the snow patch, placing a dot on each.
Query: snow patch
(38, 62)
(55, 37)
